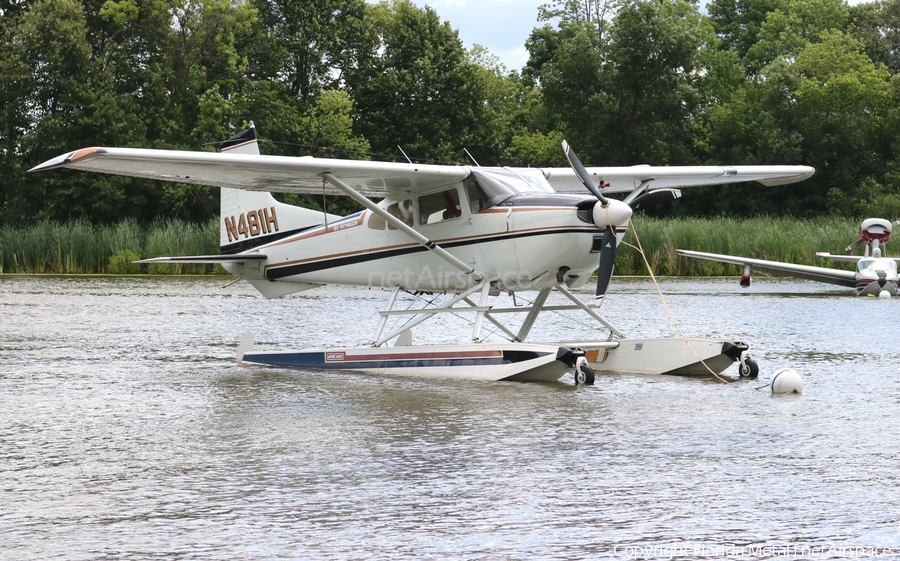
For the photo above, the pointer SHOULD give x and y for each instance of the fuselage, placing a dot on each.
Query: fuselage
(516, 232)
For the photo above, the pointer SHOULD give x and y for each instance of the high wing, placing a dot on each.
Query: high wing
(304, 174)
(809, 272)
(281, 174)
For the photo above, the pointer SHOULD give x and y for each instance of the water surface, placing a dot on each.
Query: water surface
(127, 430)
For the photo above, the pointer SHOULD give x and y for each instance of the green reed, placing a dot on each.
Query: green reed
(77, 247)
(174, 237)
(778, 239)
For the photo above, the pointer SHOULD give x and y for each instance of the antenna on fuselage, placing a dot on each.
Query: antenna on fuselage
(324, 205)
(404, 154)
(466, 150)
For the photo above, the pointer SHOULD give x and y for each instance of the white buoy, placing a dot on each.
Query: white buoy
(786, 381)
(884, 294)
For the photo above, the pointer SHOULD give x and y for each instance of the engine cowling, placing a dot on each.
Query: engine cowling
(875, 229)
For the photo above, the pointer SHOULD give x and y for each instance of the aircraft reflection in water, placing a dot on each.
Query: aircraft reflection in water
(466, 232)
(875, 275)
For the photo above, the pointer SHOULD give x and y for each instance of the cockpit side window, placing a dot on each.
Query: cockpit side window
(478, 199)
(438, 207)
(496, 185)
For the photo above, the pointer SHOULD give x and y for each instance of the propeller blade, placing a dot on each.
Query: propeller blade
(607, 261)
(853, 246)
(582, 172)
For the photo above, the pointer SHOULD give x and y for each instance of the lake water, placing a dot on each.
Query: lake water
(127, 431)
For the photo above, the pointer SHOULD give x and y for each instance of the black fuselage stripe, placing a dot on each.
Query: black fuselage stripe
(274, 273)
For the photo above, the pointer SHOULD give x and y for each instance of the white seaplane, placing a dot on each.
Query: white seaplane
(461, 232)
(875, 275)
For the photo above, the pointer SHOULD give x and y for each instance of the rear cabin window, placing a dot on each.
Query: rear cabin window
(438, 207)
(402, 210)
(376, 222)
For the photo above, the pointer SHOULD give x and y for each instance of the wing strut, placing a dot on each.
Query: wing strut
(400, 225)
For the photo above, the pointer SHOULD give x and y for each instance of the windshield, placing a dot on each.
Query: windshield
(878, 264)
(492, 186)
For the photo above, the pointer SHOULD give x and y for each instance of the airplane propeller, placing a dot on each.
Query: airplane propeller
(607, 214)
(863, 239)
(853, 246)
(583, 174)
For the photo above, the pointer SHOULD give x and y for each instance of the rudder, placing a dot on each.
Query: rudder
(252, 218)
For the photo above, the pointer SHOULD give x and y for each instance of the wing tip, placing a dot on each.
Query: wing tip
(804, 173)
(68, 158)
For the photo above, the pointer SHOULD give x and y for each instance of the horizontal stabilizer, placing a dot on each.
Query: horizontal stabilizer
(851, 258)
(207, 258)
(841, 258)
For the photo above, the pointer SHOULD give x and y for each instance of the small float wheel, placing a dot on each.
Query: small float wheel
(749, 368)
(584, 374)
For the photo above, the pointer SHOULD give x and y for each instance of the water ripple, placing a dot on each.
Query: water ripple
(127, 431)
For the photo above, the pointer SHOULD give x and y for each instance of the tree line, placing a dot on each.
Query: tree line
(662, 82)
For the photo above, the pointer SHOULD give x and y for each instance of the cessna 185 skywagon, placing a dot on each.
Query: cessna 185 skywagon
(875, 275)
(467, 233)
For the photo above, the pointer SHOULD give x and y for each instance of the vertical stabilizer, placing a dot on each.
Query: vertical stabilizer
(252, 218)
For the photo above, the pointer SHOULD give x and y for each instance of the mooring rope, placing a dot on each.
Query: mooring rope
(662, 297)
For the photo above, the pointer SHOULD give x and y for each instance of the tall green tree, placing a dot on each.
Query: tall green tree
(877, 25)
(14, 123)
(69, 98)
(308, 46)
(416, 88)
(825, 107)
(630, 94)
(738, 22)
(789, 28)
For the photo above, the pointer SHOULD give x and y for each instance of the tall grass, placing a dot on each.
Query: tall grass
(777, 239)
(171, 237)
(79, 247)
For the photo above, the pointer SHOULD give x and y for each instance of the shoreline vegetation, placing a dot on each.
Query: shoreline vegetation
(80, 248)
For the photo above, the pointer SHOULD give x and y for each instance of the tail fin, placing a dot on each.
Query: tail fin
(252, 218)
